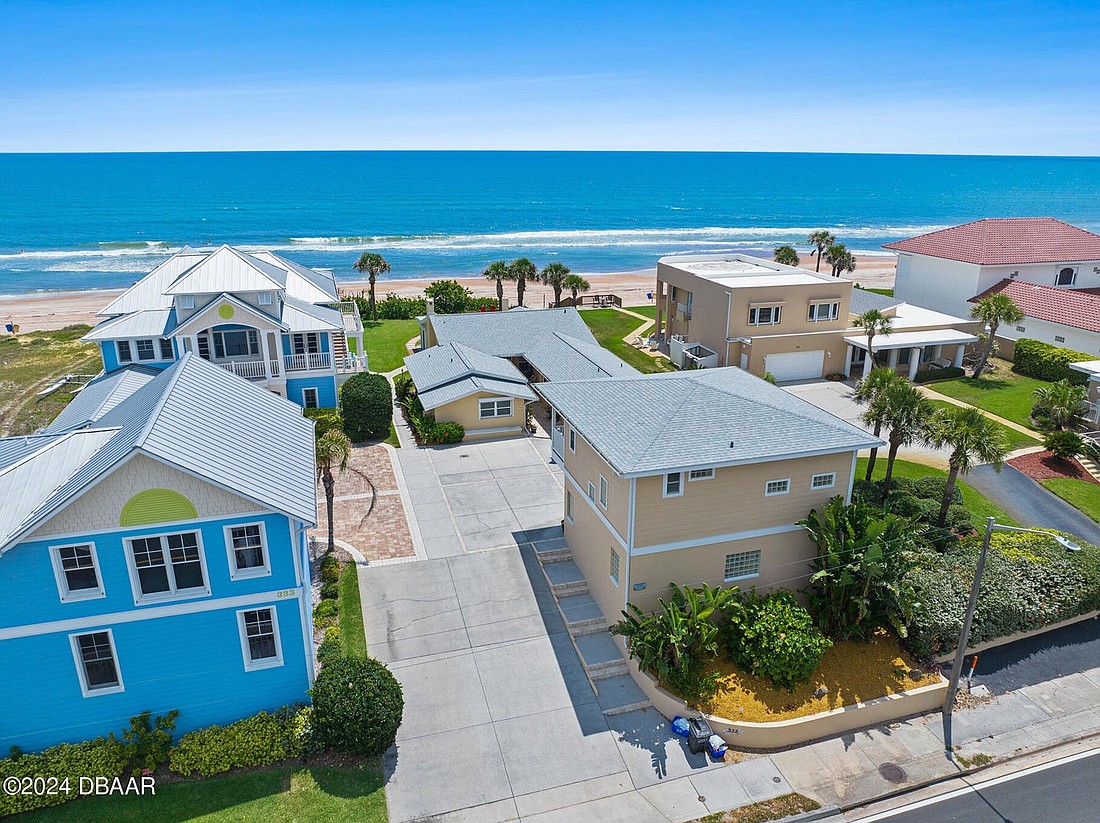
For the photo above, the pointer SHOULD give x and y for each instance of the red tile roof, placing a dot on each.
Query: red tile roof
(1007, 241)
(1079, 308)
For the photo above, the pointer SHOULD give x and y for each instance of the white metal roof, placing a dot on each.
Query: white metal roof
(144, 323)
(101, 395)
(301, 282)
(228, 270)
(1088, 367)
(298, 315)
(912, 339)
(148, 292)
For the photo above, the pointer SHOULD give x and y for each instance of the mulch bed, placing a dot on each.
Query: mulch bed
(1045, 466)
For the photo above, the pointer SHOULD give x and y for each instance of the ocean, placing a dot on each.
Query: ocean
(96, 221)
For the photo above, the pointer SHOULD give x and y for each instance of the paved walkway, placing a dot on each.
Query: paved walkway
(1029, 503)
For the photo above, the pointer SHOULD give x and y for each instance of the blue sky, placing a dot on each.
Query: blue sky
(928, 77)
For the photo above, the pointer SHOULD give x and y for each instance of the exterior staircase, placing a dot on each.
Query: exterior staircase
(339, 347)
(1090, 466)
(599, 652)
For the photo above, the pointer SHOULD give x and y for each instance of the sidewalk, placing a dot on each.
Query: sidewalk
(856, 768)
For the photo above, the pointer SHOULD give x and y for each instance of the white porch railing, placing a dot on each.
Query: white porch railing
(308, 362)
(352, 364)
(248, 369)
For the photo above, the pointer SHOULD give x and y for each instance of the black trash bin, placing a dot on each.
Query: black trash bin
(698, 734)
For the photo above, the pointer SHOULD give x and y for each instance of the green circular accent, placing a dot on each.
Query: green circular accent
(156, 506)
(226, 312)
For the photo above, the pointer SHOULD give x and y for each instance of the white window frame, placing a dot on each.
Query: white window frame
(603, 492)
(316, 397)
(569, 506)
(1058, 276)
(814, 486)
(833, 312)
(82, 674)
(786, 488)
(615, 567)
(572, 440)
(63, 582)
(251, 665)
(727, 578)
(664, 484)
(591, 491)
(153, 347)
(255, 571)
(496, 401)
(264, 298)
(703, 474)
(172, 594)
(129, 358)
(754, 315)
(162, 343)
(187, 301)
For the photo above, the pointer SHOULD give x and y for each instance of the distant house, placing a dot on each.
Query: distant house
(260, 316)
(1069, 318)
(692, 477)
(737, 310)
(943, 270)
(154, 557)
(1091, 369)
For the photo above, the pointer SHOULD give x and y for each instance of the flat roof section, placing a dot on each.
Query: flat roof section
(743, 271)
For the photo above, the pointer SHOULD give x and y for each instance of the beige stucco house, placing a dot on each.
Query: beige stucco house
(737, 310)
(693, 477)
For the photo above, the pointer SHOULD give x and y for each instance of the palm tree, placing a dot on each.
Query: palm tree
(333, 451)
(972, 437)
(554, 275)
(842, 260)
(374, 265)
(994, 310)
(786, 255)
(874, 323)
(521, 271)
(498, 271)
(821, 240)
(867, 390)
(575, 283)
(1059, 403)
(906, 413)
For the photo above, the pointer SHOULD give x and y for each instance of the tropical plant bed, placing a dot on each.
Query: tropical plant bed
(851, 672)
(1045, 466)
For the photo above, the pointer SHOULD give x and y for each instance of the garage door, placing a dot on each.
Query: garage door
(798, 365)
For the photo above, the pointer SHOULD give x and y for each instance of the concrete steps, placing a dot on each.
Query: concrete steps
(601, 656)
(618, 695)
(581, 614)
(565, 578)
(552, 550)
(1090, 466)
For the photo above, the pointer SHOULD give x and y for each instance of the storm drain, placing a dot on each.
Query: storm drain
(892, 772)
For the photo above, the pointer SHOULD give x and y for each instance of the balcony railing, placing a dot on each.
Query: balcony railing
(352, 364)
(308, 362)
(250, 369)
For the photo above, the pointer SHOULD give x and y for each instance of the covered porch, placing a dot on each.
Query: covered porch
(912, 351)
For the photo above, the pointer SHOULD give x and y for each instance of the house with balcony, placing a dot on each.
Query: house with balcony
(154, 556)
(692, 477)
(737, 310)
(258, 315)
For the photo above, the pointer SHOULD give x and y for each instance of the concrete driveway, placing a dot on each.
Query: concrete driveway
(501, 722)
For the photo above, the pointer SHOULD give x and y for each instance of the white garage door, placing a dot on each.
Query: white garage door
(798, 365)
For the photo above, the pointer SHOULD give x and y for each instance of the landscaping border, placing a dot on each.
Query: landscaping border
(784, 733)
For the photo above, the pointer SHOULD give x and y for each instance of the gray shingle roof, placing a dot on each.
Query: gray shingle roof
(101, 395)
(559, 356)
(863, 300)
(667, 422)
(446, 373)
(193, 416)
(509, 333)
(450, 392)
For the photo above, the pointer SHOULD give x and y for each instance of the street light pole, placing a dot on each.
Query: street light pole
(964, 637)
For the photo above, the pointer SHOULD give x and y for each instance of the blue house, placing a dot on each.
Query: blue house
(153, 555)
(260, 316)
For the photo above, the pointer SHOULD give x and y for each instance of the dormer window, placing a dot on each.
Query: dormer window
(265, 298)
(187, 301)
(1066, 276)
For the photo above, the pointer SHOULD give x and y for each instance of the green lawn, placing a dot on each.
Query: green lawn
(1005, 394)
(1078, 493)
(32, 362)
(1014, 439)
(352, 634)
(304, 794)
(980, 507)
(886, 292)
(646, 311)
(609, 327)
(385, 342)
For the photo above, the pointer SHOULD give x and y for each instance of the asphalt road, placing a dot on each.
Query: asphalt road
(1067, 793)
(1037, 659)
(1031, 504)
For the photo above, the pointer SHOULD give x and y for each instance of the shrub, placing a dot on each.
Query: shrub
(330, 647)
(424, 427)
(330, 591)
(447, 433)
(357, 706)
(392, 307)
(330, 570)
(326, 613)
(1029, 582)
(366, 402)
(255, 741)
(775, 637)
(324, 420)
(148, 741)
(103, 757)
(1065, 445)
(1046, 362)
(403, 387)
(938, 374)
(450, 296)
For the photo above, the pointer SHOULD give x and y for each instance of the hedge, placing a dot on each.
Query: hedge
(357, 706)
(366, 402)
(103, 757)
(324, 420)
(775, 637)
(1029, 582)
(1046, 362)
(929, 375)
(426, 430)
(259, 740)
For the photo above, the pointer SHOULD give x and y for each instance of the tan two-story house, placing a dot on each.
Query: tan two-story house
(693, 477)
(737, 310)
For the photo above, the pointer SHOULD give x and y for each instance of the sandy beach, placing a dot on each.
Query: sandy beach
(44, 312)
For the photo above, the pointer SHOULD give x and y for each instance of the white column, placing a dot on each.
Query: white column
(267, 353)
(892, 360)
(960, 349)
(848, 360)
(914, 361)
(195, 343)
(868, 362)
